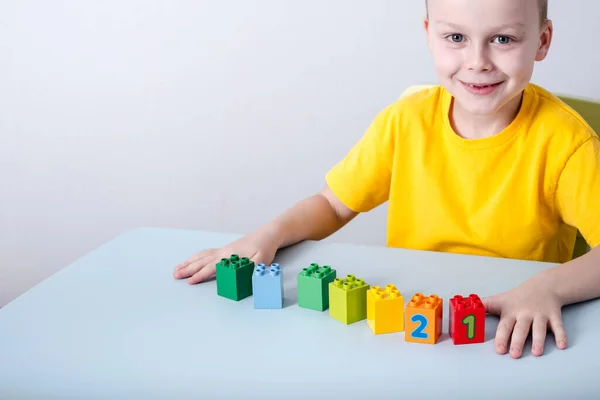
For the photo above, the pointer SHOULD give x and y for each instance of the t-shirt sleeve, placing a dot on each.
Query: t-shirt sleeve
(578, 191)
(361, 180)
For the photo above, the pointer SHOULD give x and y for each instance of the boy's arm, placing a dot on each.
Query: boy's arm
(361, 182)
(576, 200)
(536, 304)
(577, 280)
(313, 218)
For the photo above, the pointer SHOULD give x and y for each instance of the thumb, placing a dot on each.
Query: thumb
(493, 304)
(261, 258)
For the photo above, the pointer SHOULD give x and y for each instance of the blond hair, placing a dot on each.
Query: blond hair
(542, 6)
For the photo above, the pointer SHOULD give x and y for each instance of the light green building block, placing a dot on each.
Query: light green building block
(348, 299)
(313, 292)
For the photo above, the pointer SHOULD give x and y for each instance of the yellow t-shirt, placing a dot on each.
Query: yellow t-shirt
(521, 194)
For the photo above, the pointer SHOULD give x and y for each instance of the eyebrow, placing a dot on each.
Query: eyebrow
(504, 26)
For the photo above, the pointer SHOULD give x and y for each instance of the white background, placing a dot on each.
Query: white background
(197, 114)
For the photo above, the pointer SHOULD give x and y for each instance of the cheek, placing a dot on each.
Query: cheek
(516, 63)
(447, 61)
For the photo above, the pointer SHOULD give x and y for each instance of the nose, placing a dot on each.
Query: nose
(477, 59)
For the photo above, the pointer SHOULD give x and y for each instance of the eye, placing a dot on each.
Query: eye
(502, 39)
(456, 37)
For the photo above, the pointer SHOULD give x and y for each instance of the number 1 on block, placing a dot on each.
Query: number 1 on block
(469, 321)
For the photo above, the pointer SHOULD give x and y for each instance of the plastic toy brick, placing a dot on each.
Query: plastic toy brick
(312, 287)
(234, 277)
(267, 287)
(385, 310)
(424, 319)
(348, 299)
(467, 320)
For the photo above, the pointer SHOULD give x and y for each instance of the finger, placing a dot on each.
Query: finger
(538, 335)
(182, 266)
(557, 327)
(192, 268)
(260, 258)
(197, 256)
(505, 328)
(208, 270)
(194, 258)
(492, 304)
(519, 335)
(205, 273)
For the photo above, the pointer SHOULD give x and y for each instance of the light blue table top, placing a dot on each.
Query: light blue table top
(115, 324)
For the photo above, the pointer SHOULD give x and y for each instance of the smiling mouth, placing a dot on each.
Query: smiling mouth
(482, 85)
(481, 89)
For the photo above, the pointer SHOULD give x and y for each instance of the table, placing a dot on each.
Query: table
(115, 324)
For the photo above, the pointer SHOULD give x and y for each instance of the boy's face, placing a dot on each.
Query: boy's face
(484, 50)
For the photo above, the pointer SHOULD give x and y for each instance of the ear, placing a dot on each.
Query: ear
(427, 33)
(545, 40)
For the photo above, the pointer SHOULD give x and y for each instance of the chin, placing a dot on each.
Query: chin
(480, 109)
(478, 106)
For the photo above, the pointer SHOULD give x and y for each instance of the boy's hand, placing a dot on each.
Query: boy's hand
(533, 307)
(259, 247)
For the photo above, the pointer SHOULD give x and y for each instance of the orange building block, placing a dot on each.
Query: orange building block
(385, 310)
(424, 319)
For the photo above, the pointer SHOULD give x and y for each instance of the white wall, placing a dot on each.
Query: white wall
(194, 114)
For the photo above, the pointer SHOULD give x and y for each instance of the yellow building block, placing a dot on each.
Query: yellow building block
(424, 319)
(385, 310)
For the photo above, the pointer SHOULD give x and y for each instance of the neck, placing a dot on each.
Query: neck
(471, 126)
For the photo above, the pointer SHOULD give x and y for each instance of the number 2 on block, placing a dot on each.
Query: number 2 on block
(469, 321)
(418, 333)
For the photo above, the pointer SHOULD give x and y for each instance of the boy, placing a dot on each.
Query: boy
(486, 163)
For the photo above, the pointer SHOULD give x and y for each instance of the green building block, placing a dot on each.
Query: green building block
(348, 299)
(234, 277)
(312, 287)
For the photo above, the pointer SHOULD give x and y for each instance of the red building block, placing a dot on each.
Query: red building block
(467, 320)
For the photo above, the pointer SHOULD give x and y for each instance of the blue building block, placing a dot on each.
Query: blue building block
(267, 287)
